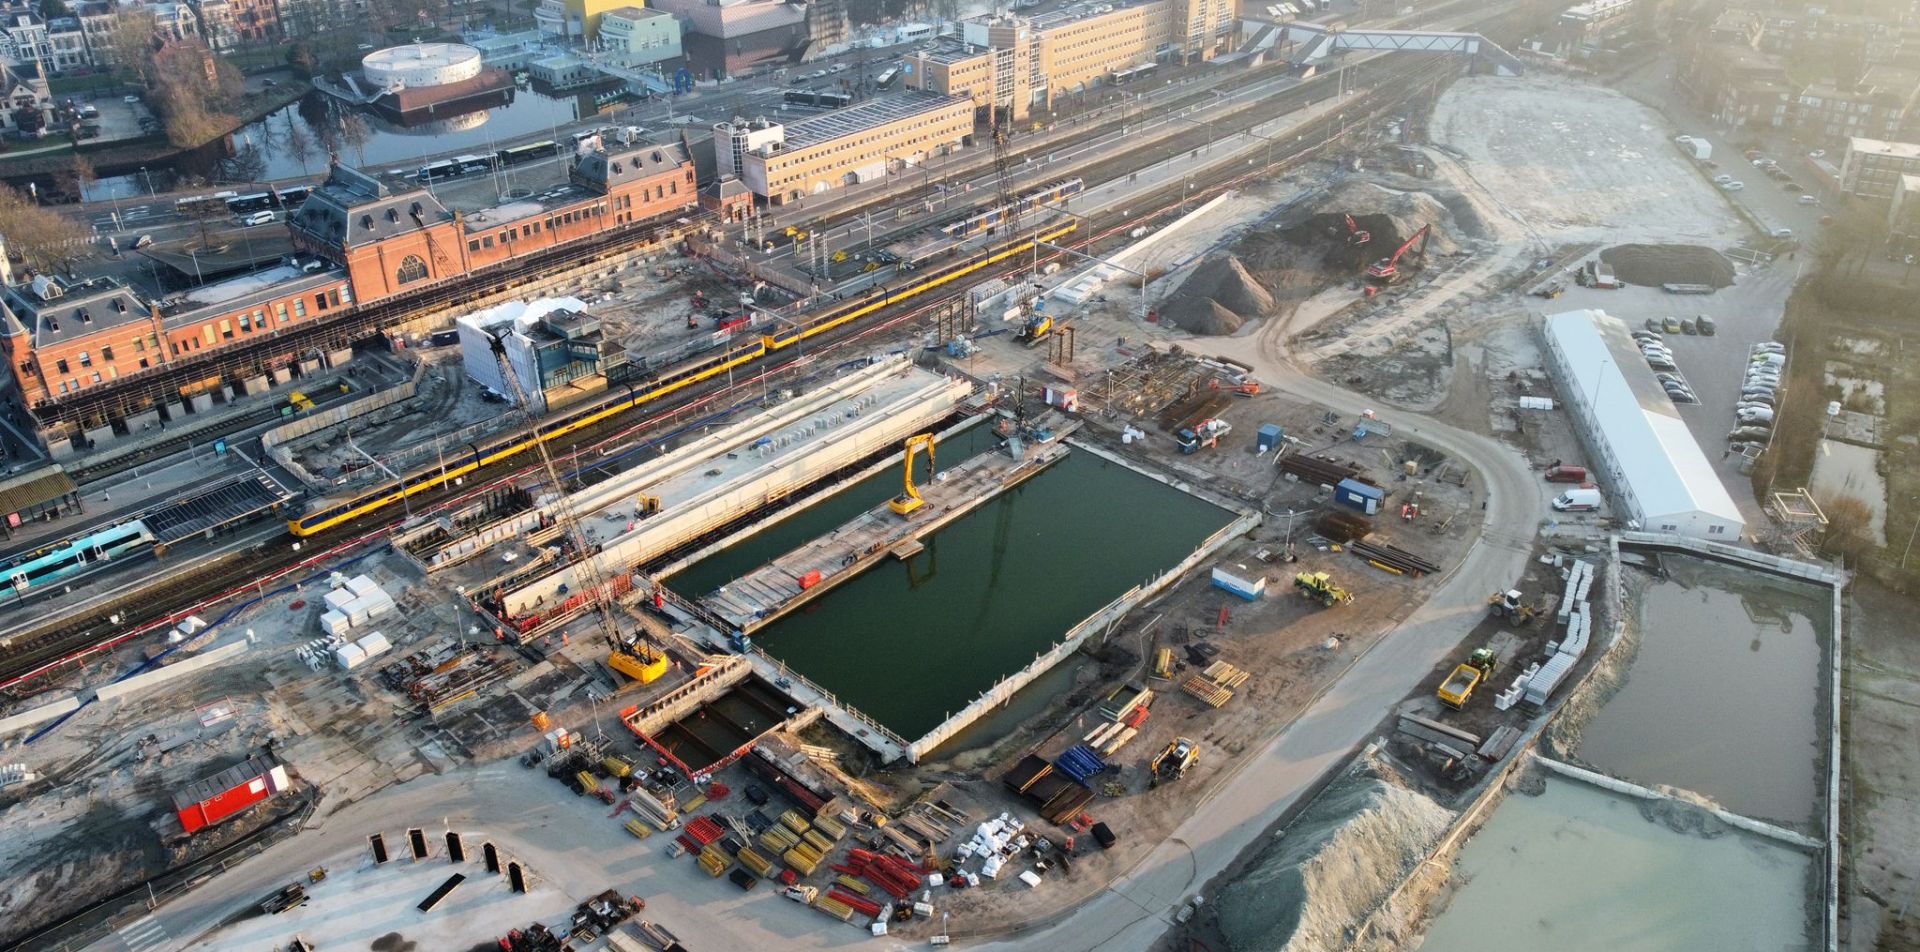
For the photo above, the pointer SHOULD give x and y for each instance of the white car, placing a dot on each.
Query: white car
(1722, 179)
(837, 68)
(1817, 154)
(1734, 186)
(1783, 233)
(1757, 163)
(1809, 200)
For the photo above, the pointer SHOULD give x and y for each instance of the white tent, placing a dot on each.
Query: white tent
(1646, 461)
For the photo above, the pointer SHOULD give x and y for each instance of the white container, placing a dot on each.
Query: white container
(349, 657)
(334, 623)
(362, 585)
(374, 644)
(339, 599)
(1031, 878)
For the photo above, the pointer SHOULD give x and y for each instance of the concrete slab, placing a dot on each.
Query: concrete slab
(200, 403)
(339, 358)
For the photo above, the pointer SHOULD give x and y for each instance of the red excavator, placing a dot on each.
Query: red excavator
(1356, 237)
(1387, 270)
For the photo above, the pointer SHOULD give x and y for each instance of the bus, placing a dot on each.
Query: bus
(544, 149)
(1135, 74)
(822, 100)
(195, 206)
(251, 202)
(455, 167)
(290, 198)
(886, 78)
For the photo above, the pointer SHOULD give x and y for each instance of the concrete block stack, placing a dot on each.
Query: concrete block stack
(353, 602)
(1576, 613)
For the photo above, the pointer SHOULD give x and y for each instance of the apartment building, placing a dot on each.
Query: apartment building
(862, 143)
(1017, 63)
(1903, 216)
(1873, 168)
(632, 36)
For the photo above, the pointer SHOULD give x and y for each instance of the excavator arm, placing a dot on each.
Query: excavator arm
(909, 500)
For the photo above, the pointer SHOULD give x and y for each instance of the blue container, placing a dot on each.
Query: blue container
(1359, 496)
(1269, 437)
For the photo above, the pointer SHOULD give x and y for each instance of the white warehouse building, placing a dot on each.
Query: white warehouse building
(1646, 461)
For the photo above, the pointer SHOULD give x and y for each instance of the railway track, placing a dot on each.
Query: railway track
(26, 658)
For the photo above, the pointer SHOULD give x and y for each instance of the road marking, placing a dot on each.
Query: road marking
(144, 935)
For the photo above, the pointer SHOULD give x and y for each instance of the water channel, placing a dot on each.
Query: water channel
(1578, 869)
(911, 642)
(1723, 697)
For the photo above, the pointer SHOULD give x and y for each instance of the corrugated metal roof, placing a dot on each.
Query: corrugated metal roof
(1657, 454)
(34, 488)
(206, 788)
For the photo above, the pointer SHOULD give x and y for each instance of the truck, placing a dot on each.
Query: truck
(1694, 147)
(1469, 674)
(1202, 435)
(1583, 499)
(804, 895)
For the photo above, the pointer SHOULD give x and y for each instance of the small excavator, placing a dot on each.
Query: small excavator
(1355, 236)
(1173, 763)
(1319, 587)
(909, 500)
(1034, 330)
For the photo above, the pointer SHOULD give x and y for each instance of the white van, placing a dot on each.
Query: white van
(257, 218)
(1577, 500)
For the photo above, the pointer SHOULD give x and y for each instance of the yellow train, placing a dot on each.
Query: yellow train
(668, 383)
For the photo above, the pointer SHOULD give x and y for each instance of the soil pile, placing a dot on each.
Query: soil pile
(1654, 265)
(1344, 853)
(1219, 297)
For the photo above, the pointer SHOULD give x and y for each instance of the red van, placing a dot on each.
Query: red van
(1567, 474)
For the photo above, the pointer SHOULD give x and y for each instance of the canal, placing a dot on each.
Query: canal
(910, 642)
(1723, 696)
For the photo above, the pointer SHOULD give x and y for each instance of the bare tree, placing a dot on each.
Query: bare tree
(44, 239)
(130, 41)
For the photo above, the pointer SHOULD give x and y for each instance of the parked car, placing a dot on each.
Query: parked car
(1687, 326)
(1567, 474)
(1818, 154)
(1661, 363)
(1734, 186)
(1648, 337)
(1783, 233)
(1769, 347)
(1792, 186)
(1809, 200)
(1671, 325)
(1705, 324)
(1754, 433)
(1759, 161)
(130, 99)
(257, 218)
(1722, 179)
(1653, 324)
(1756, 415)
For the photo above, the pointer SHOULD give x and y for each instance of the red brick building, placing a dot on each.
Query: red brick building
(358, 240)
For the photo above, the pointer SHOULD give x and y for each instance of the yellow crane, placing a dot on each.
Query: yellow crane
(634, 658)
(905, 503)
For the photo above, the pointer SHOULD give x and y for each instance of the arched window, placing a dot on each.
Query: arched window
(412, 269)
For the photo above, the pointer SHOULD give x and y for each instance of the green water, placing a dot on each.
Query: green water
(821, 517)
(909, 643)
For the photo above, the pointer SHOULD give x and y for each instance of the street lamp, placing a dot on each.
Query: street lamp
(149, 180)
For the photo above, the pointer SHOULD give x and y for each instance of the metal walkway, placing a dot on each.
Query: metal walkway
(1315, 43)
(222, 504)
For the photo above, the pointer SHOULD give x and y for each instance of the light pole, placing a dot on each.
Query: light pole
(149, 180)
(1915, 531)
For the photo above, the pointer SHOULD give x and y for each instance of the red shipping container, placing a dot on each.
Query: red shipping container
(214, 799)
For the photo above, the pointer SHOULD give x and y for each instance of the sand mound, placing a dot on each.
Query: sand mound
(1343, 853)
(1202, 316)
(1654, 265)
(1226, 280)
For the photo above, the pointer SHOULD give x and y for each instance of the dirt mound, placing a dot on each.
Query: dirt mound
(1654, 265)
(1226, 280)
(1203, 316)
(1304, 251)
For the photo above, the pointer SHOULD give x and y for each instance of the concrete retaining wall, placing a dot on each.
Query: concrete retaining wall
(469, 546)
(1097, 623)
(274, 440)
(1628, 788)
(682, 700)
(1746, 558)
(38, 715)
(159, 676)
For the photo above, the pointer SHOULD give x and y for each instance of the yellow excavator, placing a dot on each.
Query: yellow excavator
(639, 661)
(905, 503)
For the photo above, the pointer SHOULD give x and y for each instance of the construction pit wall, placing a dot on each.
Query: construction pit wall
(742, 468)
(1097, 625)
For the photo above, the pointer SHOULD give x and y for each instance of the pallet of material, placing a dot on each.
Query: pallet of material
(835, 908)
(802, 858)
(1319, 472)
(1201, 687)
(639, 828)
(1343, 526)
(1118, 741)
(1499, 743)
(795, 822)
(779, 839)
(1026, 773)
(1393, 558)
(1226, 675)
(1064, 808)
(714, 862)
(757, 864)
(832, 828)
(820, 844)
(1163, 664)
(849, 881)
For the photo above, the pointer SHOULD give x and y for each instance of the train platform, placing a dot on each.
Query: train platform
(759, 598)
(229, 501)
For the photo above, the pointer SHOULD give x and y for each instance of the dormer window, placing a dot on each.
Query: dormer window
(120, 305)
(85, 318)
(617, 169)
(393, 214)
(416, 210)
(366, 221)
